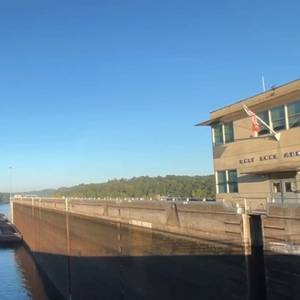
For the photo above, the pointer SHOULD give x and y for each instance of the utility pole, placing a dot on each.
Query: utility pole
(10, 181)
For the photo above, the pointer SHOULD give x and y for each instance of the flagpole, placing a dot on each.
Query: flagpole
(276, 135)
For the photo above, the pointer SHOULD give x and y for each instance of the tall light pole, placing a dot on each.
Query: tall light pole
(10, 191)
(10, 181)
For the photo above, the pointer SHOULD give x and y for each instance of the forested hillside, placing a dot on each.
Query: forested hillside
(174, 186)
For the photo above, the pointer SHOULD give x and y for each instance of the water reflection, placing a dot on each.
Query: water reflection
(37, 285)
(12, 285)
(20, 277)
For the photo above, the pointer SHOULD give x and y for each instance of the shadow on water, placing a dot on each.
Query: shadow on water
(35, 281)
(89, 259)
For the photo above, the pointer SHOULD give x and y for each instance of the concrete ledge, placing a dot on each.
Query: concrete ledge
(212, 221)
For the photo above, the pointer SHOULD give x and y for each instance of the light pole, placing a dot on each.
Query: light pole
(10, 181)
(10, 191)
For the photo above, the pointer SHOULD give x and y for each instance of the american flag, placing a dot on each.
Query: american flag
(255, 126)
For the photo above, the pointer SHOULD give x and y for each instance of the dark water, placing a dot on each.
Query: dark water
(12, 285)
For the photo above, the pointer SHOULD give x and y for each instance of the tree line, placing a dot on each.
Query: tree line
(146, 187)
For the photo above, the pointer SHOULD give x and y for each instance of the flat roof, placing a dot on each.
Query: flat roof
(236, 107)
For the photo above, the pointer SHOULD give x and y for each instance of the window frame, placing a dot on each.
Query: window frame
(223, 183)
(214, 134)
(226, 125)
(284, 117)
(227, 183)
(287, 117)
(267, 122)
(223, 133)
(292, 116)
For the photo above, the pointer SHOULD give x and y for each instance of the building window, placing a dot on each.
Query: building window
(223, 133)
(265, 117)
(294, 114)
(227, 181)
(218, 134)
(278, 118)
(232, 181)
(222, 182)
(276, 187)
(228, 129)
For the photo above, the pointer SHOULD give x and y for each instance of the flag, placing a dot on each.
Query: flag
(255, 126)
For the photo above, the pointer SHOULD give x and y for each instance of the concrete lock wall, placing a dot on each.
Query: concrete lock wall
(87, 256)
(281, 232)
(212, 221)
(71, 237)
(281, 228)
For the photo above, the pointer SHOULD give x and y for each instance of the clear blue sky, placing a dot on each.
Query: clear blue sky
(94, 90)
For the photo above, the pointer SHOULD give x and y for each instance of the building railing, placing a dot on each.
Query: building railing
(257, 204)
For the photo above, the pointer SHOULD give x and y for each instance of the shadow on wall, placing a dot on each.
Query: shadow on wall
(248, 178)
(86, 258)
(171, 277)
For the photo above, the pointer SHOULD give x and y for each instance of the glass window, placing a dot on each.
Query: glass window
(288, 187)
(278, 118)
(277, 187)
(227, 181)
(265, 117)
(222, 182)
(232, 181)
(218, 134)
(294, 114)
(228, 127)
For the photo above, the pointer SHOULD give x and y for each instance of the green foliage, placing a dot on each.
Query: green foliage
(146, 187)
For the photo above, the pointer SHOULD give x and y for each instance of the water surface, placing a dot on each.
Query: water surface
(19, 277)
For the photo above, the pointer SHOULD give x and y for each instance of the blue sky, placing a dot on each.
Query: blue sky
(94, 90)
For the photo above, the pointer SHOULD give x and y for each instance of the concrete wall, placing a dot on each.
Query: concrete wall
(281, 232)
(87, 255)
(281, 228)
(108, 248)
(212, 221)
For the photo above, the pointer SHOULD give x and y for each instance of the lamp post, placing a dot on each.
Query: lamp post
(10, 191)
(10, 181)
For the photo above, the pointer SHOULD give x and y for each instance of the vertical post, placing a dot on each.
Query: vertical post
(11, 210)
(66, 204)
(281, 191)
(246, 233)
(40, 207)
(263, 83)
(32, 206)
(68, 251)
(286, 116)
(298, 183)
(246, 205)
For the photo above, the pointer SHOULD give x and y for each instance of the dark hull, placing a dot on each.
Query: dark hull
(9, 233)
(10, 238)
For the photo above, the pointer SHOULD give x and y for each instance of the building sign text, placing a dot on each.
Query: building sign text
(268, 157)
